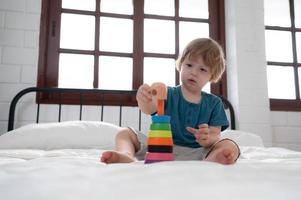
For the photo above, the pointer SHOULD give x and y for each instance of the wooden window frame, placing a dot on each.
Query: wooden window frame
(288, 104)
(49, 48)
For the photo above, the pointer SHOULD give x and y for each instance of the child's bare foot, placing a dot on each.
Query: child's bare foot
(115, 157)
(225, 152)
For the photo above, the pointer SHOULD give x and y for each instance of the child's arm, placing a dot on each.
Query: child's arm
(145, 100)
(205, 135)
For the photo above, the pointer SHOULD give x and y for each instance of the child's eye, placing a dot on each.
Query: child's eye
(203, 69)
(189, 65)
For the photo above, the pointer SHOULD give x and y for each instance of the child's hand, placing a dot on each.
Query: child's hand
(145, 99)
(202, 135)
(144, 94)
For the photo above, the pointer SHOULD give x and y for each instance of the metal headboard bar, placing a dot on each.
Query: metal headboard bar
(101, 118)
(139, 120)
(60, 108)
(15, 100)
(120, 115)
(231, 109)
(38, 113)
(11, 117)
(81, 106)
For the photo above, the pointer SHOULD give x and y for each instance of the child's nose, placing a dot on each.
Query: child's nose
(194, 71)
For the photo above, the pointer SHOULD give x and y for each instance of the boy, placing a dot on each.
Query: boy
(197, 118)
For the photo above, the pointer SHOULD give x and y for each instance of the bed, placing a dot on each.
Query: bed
(60, 160)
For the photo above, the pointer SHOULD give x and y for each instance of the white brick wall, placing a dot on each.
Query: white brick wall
(22, 20)
(10, 73)
(33, 6)
(11, 37)
(13, 5)
(29, 74)
(1, 19)
(19, 36)
(31, 39)
(246, 66)
(19, 55)
(19, 30)
(287, 129)
(247, 77)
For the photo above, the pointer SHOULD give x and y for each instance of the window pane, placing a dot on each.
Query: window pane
(281, 83)
(194, 8)
(297, 13)
(159, 70)
(117, 6)
(115, 73)
(76, 71)
(159, 36)
(298, 42)
(77, 32)
(279, 46)
(116, 35)
(159, 7)
(79, 4)
(277, 13)
(192, 30)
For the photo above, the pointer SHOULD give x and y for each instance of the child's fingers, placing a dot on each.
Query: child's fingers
(144, 93)
(200, 131)
(146, 96)
(201, 135)
(192, 130)
(203, 126)
(204, 129)
(197, 133)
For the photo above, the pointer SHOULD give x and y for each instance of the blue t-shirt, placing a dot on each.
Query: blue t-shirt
(183, 113)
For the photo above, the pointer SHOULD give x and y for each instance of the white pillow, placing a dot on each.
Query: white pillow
(63, 135)
(243, 138)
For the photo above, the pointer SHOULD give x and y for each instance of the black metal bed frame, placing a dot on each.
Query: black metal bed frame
(81, 93)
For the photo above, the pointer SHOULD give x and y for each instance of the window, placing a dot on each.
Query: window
(121, 44)
(283, 51)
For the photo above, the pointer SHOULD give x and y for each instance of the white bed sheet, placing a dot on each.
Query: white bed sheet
(261, 173)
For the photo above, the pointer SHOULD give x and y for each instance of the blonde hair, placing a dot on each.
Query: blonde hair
(210, 51)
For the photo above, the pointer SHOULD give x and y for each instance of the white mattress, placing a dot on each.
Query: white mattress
(261, 173)
(61, 162)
